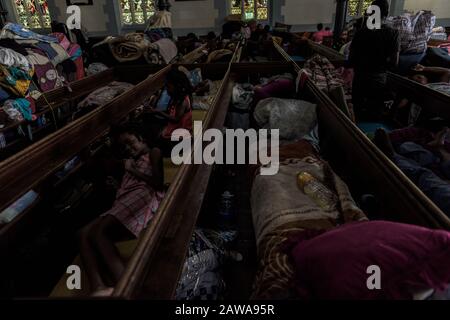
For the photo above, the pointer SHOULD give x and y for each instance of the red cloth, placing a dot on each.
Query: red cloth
(334, 264)
(80, 68)
(184, 123)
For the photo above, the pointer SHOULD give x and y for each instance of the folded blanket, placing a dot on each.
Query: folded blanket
(105, 94)
(129, 47)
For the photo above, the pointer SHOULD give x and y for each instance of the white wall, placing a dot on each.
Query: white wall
(193, 14)
(308, 12)
(94, 18)
(441, 8)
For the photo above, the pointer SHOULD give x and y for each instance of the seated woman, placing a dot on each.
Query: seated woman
(161, 124)
(433, 77)
(137, 200)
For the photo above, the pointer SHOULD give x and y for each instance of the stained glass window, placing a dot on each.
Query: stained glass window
(236, 7)
(357, 8)
(251, 9)
(33, 14)
(136, 11)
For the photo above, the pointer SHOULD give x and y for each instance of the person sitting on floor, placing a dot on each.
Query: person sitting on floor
(137, 200)
(161, 124)
(434, 77)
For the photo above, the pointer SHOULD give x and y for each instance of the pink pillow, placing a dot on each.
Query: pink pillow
(334, 264)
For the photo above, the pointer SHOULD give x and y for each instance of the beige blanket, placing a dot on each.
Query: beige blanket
(280, 209)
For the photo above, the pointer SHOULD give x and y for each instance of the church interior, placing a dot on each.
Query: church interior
(225, 150)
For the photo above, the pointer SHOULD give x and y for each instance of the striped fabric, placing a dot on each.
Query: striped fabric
(415, 30)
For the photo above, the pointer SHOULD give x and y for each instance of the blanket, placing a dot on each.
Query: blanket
(294, 118)
(46, 73)
(322, 72)
(105, 94)
(129, 47)
(280, 210)
(18, 32)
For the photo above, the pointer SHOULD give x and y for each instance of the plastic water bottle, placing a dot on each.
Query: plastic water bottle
(226, 209)
(315, 189)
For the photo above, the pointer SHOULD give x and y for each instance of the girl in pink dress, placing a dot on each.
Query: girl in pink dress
(137, 200)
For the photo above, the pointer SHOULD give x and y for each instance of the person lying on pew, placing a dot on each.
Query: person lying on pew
(137, 200)
(372, 54)
(161, 124)
(424, 156)
(434, 77)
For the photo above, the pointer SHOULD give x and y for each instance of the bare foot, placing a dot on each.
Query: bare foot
(103, 292)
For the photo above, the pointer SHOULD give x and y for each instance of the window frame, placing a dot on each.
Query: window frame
(255, 11)
(125, 26)
(360, 10)
(13, 15)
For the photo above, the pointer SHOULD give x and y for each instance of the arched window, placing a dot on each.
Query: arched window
(251, 9)
(136, 11)
(32, 14)
(356, 8)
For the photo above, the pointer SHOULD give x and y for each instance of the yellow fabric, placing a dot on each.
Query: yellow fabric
(21, 86)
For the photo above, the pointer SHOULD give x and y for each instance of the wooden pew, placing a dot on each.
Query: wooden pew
(50, 102)
(195, 55)
(425, 211)
(171, 172)
(434, 102)
(327, 52)
(159, 256)
(156, 265)
(306, 48)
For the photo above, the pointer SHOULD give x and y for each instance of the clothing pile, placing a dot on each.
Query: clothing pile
(414, 29)
(138, 47)
(104, 94)
(31, 63)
